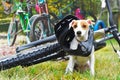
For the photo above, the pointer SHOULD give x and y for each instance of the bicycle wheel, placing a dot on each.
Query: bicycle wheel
(12, 32)
(29, 27)
(37, 29)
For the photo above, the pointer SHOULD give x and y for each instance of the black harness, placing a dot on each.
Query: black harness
(65, 35)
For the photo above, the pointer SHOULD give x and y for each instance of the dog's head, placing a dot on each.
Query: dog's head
(81, 29)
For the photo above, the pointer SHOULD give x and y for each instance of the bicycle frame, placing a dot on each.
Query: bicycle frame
(24, 20)
(41, 8)
(23, 17)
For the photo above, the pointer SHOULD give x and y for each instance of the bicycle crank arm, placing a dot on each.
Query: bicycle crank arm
(36, 43)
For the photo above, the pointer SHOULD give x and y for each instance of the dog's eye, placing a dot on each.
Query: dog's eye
(84, 26)
(75, 26)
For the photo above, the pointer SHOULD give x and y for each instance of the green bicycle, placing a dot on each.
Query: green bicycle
(19, 17)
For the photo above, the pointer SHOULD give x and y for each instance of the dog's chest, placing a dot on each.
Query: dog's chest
(74, 44)
(81, 60)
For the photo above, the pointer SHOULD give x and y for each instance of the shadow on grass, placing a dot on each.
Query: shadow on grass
(4, 27)
(3, 37)
(3, 30)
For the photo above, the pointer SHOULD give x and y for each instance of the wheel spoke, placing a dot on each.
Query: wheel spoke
(38, 30)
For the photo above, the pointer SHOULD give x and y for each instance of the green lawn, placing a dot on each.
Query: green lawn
(107, 67)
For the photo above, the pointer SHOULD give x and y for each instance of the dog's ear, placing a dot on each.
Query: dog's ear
(90, 22)
(73, 24)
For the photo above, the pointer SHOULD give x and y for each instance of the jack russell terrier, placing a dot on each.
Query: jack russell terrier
(80, 63)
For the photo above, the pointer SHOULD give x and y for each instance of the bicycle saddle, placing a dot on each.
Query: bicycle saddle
(65, 35)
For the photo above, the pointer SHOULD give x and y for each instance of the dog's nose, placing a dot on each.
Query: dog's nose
(78, 32)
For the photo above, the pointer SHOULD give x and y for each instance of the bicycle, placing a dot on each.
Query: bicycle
(42, 25)
(58, 49)
(22, 17)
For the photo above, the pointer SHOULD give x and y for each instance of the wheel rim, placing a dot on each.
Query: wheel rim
(38, 30)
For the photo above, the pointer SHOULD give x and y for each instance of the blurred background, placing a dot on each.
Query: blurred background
(107, 62)
(89, 7)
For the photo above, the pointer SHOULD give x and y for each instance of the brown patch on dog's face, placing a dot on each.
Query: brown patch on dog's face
(84, 25)
(81, 28)
(74, 24)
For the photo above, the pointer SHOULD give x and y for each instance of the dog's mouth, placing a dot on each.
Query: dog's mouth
(79, 35)
(80, 38)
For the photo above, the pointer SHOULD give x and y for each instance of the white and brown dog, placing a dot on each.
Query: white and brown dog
(81, 29)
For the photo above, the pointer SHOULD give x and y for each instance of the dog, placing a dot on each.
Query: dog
(81, 29)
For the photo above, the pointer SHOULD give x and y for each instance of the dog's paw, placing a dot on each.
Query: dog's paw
(68, 70)
(92, 73)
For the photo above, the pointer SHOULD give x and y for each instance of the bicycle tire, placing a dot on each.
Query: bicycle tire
(29, 27)
(33, 32)
(49, 57)
(13, 28)
(19, 59)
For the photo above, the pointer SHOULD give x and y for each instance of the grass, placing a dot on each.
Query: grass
(106, 68)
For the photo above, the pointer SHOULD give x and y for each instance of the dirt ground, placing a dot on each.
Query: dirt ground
(5, 50)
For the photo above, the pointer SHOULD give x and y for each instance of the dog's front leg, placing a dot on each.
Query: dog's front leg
(92, 62)
(70, 65)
